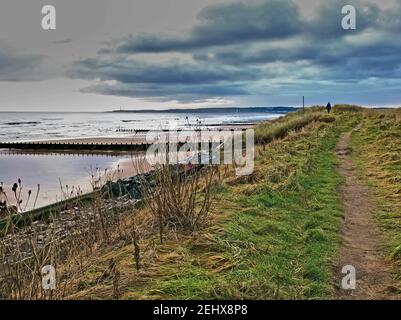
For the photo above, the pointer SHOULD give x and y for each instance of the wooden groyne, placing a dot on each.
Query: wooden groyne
(136, 143)
(78, 146)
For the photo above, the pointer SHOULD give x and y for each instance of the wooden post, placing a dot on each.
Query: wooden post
(303, 103)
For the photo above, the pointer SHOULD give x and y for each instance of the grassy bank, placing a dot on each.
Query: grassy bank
(272, 235)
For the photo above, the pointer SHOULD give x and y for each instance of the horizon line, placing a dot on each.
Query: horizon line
(201, 108)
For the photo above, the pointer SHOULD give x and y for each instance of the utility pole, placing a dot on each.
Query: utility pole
(303, 103)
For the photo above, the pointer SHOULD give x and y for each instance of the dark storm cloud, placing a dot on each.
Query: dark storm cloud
(274, 19)
(183, 82)
(222, 25)
(323, 45)
(257, 56)
(341, 58)
(219, 25)
(16, 66)
(132, 71)
(167, 92)
(233, 50)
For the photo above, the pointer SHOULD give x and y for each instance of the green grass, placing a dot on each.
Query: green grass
(279, 241)
(274, 234)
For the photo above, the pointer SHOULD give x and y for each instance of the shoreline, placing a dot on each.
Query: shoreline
(125, 165)
(53, 186)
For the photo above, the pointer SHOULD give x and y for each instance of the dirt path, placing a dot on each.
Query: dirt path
(360, 236)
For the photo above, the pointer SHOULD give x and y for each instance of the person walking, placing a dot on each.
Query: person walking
(328, 107)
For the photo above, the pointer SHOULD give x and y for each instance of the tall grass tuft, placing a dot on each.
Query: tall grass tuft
(182, 196)
(270, 131)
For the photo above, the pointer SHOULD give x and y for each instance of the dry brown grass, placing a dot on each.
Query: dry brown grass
(65, 245)
(182, 196)
(183, 200)
(269, 131)
(204, 248)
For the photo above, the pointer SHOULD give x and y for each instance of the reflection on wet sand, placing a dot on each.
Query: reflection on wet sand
(59, 175)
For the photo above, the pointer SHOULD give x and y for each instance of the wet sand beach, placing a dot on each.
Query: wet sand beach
(59, 175)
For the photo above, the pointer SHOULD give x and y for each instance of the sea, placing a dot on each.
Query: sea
(18, 126)
(53, 172)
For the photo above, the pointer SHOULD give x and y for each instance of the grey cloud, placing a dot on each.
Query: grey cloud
(172, 80)
(17, 66)
(257, 56)
(235, 53)
(222, 25)
(240, 23)
(334, 57)
(132, 71)
(167, 92)
(175, 80)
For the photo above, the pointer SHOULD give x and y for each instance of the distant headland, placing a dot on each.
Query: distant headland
(231, 110)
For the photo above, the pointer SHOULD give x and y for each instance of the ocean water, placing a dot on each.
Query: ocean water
(54, 171)
(37, 126)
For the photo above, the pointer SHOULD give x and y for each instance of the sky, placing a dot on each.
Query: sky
(160, 54)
